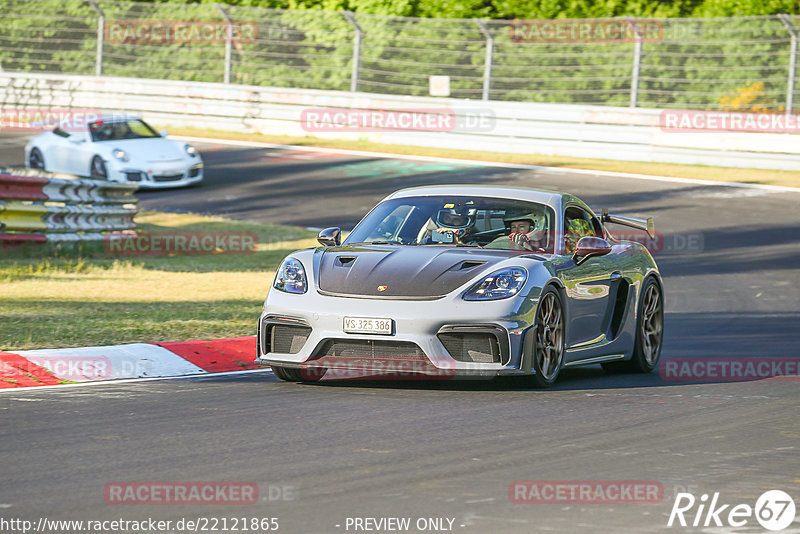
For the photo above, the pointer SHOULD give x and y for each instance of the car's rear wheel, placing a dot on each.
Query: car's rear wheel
(98, 168)
(296, 375)
(35, 159)
(649, 332)
(548, 352)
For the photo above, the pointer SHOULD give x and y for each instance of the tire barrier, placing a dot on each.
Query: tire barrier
(37, 206)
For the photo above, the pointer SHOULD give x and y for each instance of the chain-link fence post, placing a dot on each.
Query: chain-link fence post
(792, 62)
(228, 41)
(350, 17)
(637, 64)
(487, 62)
(101, 30)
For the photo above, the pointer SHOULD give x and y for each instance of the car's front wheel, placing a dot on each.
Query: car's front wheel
(548, 352)
(296, 375)
(98, 168)
(36, 160)
(649, 332)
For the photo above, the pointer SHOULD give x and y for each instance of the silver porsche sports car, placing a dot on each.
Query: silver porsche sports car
(459, 281)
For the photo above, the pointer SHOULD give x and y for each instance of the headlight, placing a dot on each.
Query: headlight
(120, 154)
(498, 285)
(291, 277)
(192, 151)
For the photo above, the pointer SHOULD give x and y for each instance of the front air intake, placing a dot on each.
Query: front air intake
(284, 338)
(478, 347)
(368, 349)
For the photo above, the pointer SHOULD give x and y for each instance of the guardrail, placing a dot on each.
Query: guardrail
(632, 134)
(43, 207)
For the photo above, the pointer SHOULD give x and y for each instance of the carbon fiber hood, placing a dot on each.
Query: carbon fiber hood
(402, 271)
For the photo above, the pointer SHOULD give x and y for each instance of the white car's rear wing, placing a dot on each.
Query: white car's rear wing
(648, 225)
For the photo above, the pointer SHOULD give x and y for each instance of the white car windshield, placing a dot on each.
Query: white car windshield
(120, 130)
(459, 221)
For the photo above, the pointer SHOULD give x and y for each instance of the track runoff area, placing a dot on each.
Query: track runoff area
(692, 448)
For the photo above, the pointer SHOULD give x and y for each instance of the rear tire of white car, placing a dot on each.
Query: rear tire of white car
(98, 168)
(36, 160)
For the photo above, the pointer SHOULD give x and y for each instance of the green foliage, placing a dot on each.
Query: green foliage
(691, 63)
(541, 9)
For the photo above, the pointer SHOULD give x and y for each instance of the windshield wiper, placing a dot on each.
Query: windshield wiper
(451, 245)
(377, 243)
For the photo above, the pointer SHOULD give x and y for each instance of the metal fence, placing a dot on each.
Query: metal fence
(743, 63)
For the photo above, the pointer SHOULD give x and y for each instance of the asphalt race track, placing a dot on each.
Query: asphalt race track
(326, 452)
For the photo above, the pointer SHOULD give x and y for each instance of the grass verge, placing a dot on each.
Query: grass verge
(725, 174)
(81, 296)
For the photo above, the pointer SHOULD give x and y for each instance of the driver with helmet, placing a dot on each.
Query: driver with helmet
(458, 221)
(526, 232)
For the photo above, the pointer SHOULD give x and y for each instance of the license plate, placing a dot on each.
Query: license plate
(367, 325)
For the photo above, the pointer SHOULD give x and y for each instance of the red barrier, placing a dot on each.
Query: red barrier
(12, 240)
(22, 187)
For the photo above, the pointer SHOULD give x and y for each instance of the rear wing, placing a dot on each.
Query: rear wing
(648, 225)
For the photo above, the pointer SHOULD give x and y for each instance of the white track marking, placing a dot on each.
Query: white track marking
(204, 375)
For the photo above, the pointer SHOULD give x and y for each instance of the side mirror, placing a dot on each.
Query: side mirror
(330, 237)
(163, 133)
(590, 246)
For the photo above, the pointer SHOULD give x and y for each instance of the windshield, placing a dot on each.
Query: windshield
(459, 221)
(116, 131)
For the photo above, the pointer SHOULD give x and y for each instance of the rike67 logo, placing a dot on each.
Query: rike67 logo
(774, 510)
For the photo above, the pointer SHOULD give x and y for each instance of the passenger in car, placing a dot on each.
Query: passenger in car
(526, 232)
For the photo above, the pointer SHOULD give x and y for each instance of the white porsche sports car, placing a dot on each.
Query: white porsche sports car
(119, 149)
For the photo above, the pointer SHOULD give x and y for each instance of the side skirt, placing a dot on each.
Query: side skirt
(597, 359)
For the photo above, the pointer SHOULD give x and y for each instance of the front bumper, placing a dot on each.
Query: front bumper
(159, 175)
(415, 324)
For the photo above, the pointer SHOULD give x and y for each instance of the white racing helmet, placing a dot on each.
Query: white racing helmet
(535, 219)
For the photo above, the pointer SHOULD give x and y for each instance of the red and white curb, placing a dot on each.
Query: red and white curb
(50, 367)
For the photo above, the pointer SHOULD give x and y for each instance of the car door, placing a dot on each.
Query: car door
(55, 150)
(80, 153)
(587, 283)
(67, 152)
